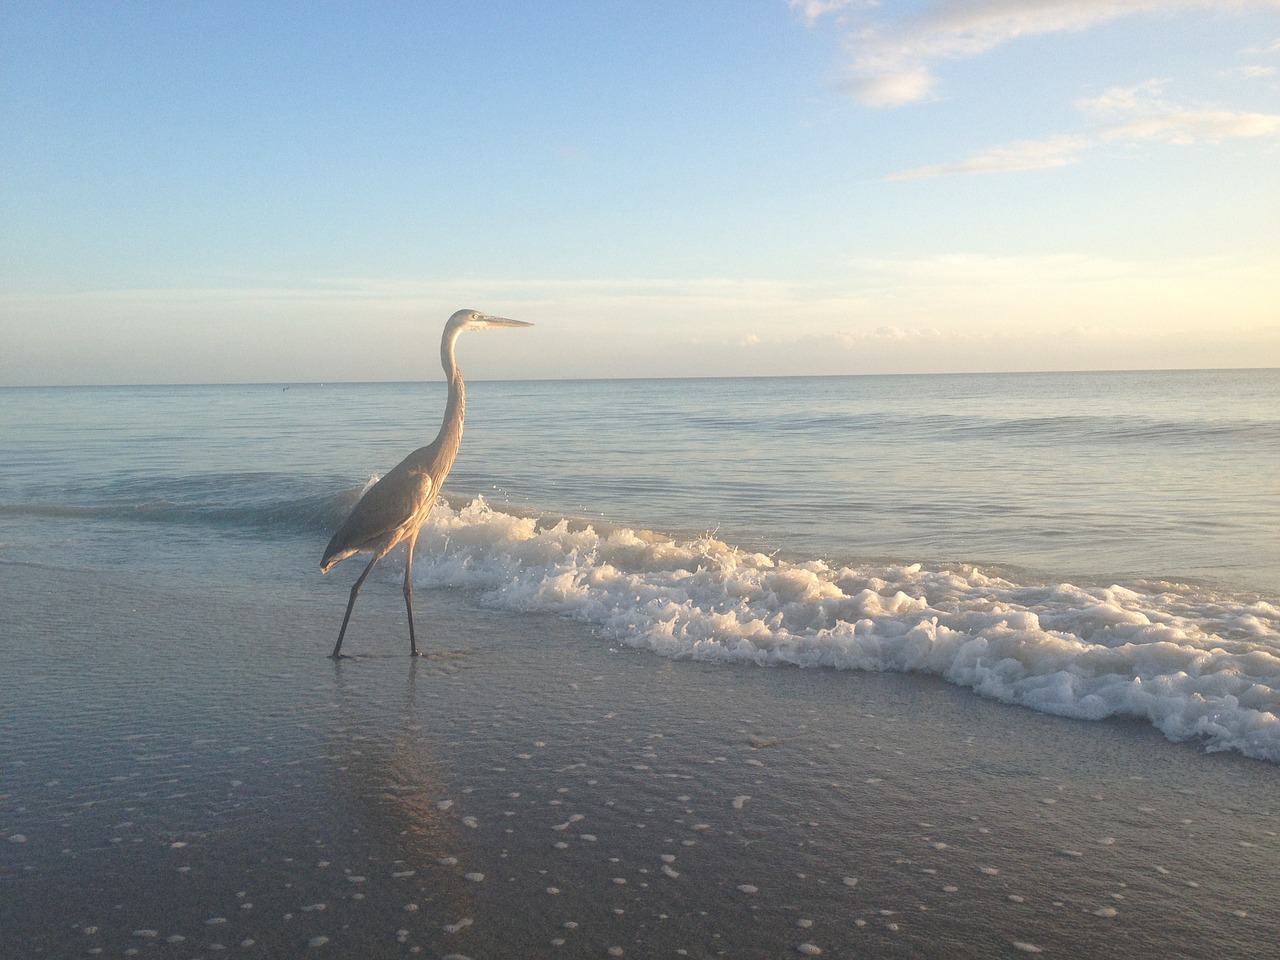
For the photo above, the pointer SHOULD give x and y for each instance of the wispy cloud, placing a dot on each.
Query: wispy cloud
(814, 10)
(1196, 126)
(1146, 96)
(1024, 155)
(1138, 114)
(1143, 114)
(890, 88)
(890, 59)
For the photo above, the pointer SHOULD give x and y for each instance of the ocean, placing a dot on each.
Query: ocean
(1089, 544)
(1050, 599)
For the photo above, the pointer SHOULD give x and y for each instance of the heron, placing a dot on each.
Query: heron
(393, 510)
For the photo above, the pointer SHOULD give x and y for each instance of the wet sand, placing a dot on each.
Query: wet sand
(185, 774)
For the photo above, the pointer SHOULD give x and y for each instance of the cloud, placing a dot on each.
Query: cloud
(890, 89)
(890, 59)
(1025, 155)
(814, 10)
(1185, 127)
(1145, 115)
(1120, 100)
(1137, 114)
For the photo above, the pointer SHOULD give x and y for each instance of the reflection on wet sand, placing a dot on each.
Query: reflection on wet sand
(387, 780)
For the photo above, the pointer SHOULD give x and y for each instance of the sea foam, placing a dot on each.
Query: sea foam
(1194, 663)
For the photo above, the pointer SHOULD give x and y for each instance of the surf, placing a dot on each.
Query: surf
(1195, 663)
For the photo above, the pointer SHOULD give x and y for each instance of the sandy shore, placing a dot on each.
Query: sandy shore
(185, 775)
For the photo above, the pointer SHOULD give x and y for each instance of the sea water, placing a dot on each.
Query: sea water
(1092, 545)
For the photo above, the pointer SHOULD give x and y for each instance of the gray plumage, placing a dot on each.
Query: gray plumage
(393, 510)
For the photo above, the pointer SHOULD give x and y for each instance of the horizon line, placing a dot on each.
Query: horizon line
(722, 376)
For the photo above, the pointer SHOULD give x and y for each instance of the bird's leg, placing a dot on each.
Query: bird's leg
(408, 593)
(337, 647)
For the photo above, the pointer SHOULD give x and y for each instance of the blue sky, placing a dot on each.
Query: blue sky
(208, 192)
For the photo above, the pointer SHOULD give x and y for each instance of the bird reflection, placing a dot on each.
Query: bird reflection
(386, 776)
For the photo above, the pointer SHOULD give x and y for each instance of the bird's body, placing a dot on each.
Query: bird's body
(393, 510)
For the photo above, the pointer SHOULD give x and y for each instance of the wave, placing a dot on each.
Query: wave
(1116, 429)
(1196, 664)
(1112, 429)
(268, 502)
(1108, 429)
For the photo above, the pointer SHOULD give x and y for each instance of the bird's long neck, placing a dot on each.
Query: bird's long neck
(456, 408)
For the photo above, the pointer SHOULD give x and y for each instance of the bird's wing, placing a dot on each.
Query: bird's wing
(380, 518)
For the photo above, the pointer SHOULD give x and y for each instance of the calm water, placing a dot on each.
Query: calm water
(1086, 544)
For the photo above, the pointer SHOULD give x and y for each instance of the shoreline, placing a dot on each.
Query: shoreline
(189, 765)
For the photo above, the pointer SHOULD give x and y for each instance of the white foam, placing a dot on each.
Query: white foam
(1194, 663)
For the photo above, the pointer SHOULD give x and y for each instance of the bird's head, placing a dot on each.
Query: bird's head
(475, 320)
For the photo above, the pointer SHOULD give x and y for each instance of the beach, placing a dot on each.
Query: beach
(186, 774)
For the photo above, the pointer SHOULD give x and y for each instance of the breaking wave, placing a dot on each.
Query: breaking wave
(1196, 664)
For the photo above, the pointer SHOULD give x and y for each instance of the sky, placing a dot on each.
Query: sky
(206, 192)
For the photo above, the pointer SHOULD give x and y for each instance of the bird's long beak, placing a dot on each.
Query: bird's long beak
(489, 321)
